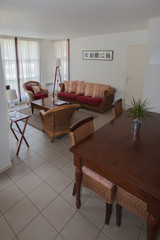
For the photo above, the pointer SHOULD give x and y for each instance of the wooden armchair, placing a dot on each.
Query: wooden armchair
(91, 180)
(27, 86)
(56, 122)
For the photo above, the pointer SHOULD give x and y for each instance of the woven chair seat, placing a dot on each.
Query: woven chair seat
(132, 203)
(97, 177)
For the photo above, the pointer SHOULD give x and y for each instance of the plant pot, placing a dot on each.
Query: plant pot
(136, 124)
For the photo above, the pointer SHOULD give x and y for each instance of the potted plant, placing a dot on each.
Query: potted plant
(138, 111)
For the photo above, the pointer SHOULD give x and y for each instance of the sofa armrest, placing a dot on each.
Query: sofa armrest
(109, 91)
(61, 87)
(108, 99)
(31, 95)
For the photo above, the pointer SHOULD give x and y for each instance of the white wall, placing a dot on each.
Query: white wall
(152, 79)
(108, 72)
(5, 159)
(46, 52)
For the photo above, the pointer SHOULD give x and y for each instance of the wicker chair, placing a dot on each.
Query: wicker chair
(56, 122)
(130, 202)
(117, 108)
(90, 179)
(27, 86)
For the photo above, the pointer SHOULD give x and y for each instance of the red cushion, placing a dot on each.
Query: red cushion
(39, 95)
(29, 88)
(89, 100)
(71, 96)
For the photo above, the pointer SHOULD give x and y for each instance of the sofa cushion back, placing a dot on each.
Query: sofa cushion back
(98, 90)
(80, 88)
(66, 86)
(89, 89)
(72, 87)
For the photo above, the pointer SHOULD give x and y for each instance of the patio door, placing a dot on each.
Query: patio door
(135, 72)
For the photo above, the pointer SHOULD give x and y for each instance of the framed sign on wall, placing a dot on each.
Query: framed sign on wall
(105, 55)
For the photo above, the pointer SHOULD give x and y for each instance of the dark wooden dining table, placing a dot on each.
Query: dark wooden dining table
(129, 159)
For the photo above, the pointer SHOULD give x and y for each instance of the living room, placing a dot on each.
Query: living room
(105, 72)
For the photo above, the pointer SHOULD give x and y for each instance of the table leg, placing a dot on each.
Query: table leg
(32, 108)
(78, 176)
(22, 135)
(152, 227)
(13, 131)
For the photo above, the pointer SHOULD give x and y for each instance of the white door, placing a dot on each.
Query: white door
(135, 72)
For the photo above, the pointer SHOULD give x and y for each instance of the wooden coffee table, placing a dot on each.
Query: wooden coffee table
(46, 104)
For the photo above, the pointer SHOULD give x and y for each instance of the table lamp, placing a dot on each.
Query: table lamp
(11, 95)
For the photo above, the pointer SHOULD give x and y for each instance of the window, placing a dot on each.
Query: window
(29, 62)
(60, 51)
(9, 62)
(26, 60)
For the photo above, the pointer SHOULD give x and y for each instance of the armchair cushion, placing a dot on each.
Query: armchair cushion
(40, 95)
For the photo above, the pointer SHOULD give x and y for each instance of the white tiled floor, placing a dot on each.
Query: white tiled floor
(36, 201)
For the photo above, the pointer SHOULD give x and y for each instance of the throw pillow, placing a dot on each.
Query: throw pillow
(72, 86)
(36, 89)
(89, 89)
(66, 86)
(98, 90)
(80, 88)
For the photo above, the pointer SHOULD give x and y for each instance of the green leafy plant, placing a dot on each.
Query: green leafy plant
(139, 109)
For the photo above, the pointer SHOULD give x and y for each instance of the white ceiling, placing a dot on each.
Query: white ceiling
(58, 19)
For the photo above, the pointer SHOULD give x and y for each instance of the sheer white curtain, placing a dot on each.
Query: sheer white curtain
(60, 50)
(29, 62)
(9, 62)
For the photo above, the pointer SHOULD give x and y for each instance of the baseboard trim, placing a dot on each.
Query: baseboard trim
(9, 165)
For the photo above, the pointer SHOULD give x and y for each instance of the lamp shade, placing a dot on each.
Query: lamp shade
(11, 94)
(58, 62)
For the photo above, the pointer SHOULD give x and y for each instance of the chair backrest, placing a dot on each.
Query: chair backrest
(117, 108)
(58, 120)
(28, 84)
(81, 129)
